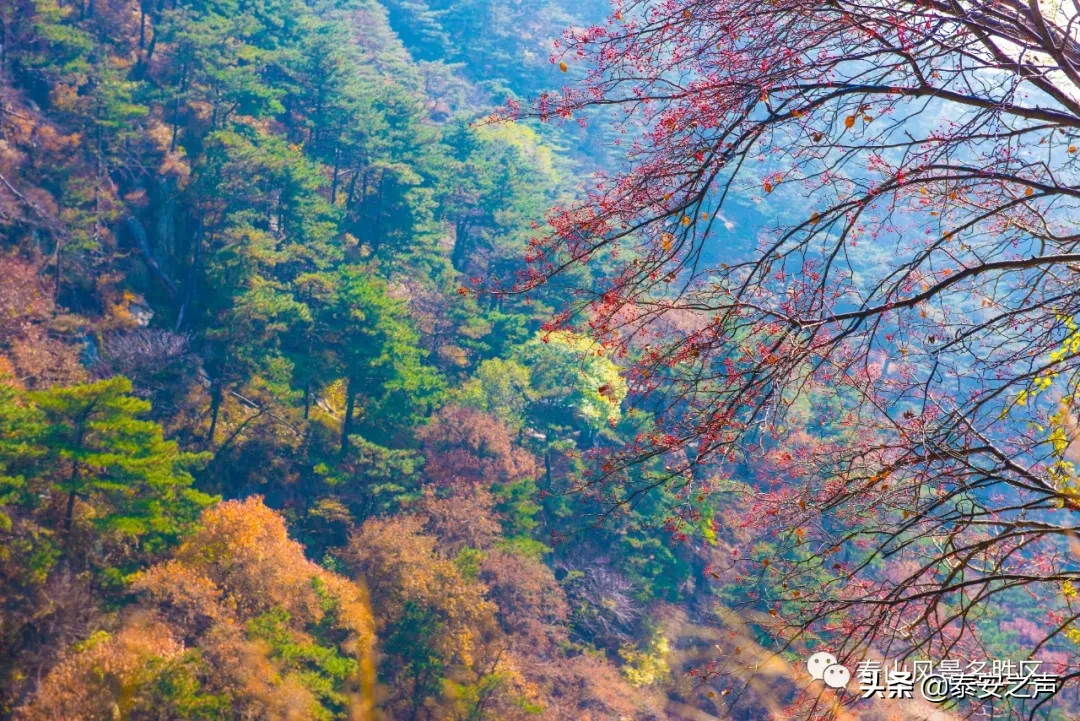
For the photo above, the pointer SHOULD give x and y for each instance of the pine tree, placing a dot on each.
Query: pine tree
(379, 356)
(18, 424)
(91, 446)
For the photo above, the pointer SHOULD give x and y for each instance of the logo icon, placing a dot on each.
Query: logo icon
(823, 667)
(837, 676)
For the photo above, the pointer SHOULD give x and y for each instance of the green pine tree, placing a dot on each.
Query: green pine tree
(90, 445)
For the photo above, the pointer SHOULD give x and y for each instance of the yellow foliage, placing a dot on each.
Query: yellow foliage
(527, 141)
(401, 566)
(649, 666)
(244, 549)
(240, 565)
(64, 97)
(106, 674)
(175, 163)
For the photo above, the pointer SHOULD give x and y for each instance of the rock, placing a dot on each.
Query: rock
(140, 311)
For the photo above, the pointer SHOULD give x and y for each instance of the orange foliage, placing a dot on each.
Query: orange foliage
(483, 675)
(28, 332)
(532, 606)
(241, 564)
(506, 634)
(588, 689)
(108, 676)
(401, 565)
(465, 518)
(463, 445)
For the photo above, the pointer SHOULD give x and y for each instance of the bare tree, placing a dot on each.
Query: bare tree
(602, 608)
(141, 354)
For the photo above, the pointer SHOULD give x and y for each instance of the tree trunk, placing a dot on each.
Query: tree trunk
(337, 172)
(142, 25)
(351, 195)
(142, 244)
(70, 513)
(187, 307)
(56, 279)
(74, 480)
(377, 226)
(461, 236)
(215, 408)
(152, 47)
(417, 694)
(176, 114)
(346, 422)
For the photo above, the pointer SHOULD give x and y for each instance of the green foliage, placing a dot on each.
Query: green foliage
(87, 444)
(409, 641)
(468, 562)
(506, 179)
(471, 698)
(176, 686)
(319, 668)
(518, 507)
(501, 388)
(95, 448)
(572, 381)
(655, 564)
(19, 425)
(90, 488)
(524, 546)
(502, 43)
(379, 357)
(65, 50)
(390, 476)
(647, 666)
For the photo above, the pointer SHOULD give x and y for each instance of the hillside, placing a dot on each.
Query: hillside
(265, 453)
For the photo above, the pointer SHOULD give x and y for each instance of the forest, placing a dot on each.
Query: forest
(485, 360)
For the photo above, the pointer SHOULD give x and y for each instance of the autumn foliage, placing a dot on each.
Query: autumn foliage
(789, 364)
(890, 359)
(464, 446)
(238, 624)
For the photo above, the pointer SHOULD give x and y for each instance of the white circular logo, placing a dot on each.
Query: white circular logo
(836, 676)
(817, 664)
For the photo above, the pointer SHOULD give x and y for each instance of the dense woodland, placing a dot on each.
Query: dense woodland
(263, 453)
(310, 407)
